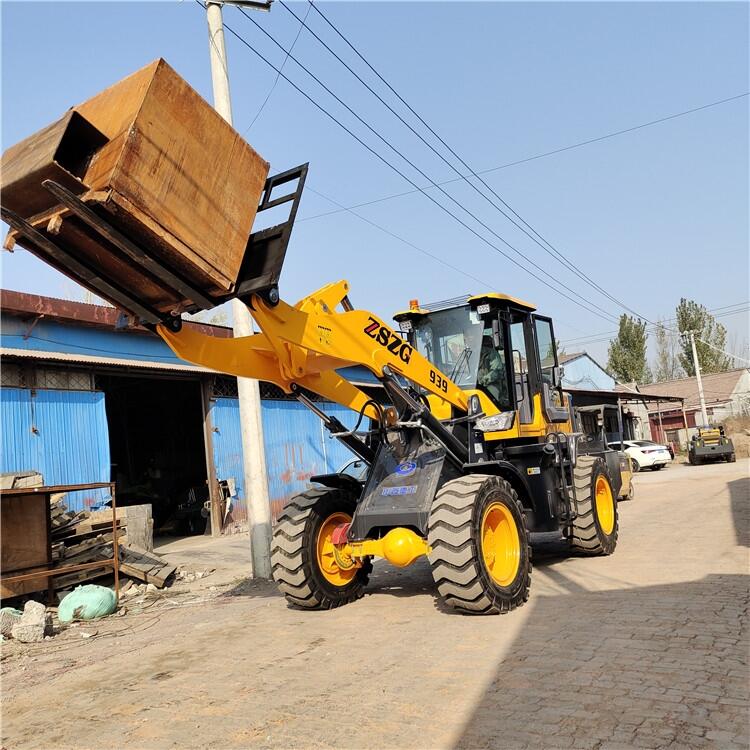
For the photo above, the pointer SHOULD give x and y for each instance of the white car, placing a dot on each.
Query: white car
(644, 454)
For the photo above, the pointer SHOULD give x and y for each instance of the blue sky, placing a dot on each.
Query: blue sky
(651, 216)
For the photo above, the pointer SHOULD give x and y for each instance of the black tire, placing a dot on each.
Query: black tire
(463, 579)
(657, 467)
(630, 494)
(636, 466)
(294, 551)
(732, 458)
(587, 535)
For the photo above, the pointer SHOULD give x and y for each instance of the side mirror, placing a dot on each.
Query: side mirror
(557, 375)
(497, 340)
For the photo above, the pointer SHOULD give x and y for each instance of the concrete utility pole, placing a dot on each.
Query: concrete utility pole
(248, 390)
(698, 378)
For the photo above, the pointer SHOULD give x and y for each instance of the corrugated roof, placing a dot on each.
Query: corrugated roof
(717, 388)
(88, 359)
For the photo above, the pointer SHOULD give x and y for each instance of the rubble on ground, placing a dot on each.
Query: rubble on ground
(34, 624)
(8, 618)
(188, 576)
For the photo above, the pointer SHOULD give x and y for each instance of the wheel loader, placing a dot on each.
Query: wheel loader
(710, 444)
(470, 447)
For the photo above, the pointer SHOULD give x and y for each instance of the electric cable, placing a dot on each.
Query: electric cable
(579, 301)
(552, 251)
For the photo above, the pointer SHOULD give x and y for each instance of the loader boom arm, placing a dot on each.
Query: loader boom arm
(304, 345)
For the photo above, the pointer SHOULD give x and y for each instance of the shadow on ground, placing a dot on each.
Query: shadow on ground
(739, 495)
(641, 667)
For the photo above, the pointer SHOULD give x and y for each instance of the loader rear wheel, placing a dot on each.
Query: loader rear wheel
(480, 558)
(595, 528)
(303, 558)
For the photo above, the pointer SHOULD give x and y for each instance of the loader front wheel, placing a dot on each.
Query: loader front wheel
(595, 528)
(304, 561)
(480, 558)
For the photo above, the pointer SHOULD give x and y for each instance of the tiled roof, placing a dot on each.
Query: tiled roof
(717, 388)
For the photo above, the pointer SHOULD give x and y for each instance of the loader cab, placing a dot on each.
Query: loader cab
(495, 344)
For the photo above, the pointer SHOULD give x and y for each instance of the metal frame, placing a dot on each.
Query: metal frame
(259, 272)
(51, 572)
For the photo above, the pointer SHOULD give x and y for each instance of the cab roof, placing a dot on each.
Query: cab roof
(471, 299)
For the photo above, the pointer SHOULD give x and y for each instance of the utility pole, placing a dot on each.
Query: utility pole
(248, 390)
(698, 378)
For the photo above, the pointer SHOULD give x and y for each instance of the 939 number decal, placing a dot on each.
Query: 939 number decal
(440, 382)
(390, 340)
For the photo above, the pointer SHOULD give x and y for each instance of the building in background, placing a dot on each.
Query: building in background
(627, 416)
(85, 400)
(727, 394)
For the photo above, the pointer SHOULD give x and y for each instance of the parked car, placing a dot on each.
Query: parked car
(650, 444)
(650, 456)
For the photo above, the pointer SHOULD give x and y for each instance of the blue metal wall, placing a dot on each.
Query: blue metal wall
(61, 434)
(297, 447)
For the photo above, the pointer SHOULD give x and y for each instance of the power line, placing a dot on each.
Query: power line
(401, 239)
(276, 80)
(543, 155)
(531, 233)
(578, 301)
(652, 328)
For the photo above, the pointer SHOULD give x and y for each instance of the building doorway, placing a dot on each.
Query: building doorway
(157, 448)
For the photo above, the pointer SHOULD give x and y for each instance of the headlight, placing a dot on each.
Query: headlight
(405, 326)
(497, 422)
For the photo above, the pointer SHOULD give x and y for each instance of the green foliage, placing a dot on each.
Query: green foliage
(709, 336)
(627, 352)
(667, 362)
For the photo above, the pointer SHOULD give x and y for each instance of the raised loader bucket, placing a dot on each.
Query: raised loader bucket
(147, 197)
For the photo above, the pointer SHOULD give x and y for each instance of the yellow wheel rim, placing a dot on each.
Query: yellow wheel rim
(326, 552)
(501, 545)
(605, 505)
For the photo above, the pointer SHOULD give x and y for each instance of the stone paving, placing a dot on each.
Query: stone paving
(646, 648)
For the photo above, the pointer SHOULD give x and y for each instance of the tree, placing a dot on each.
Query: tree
(627, 352)
(710, 338)
(667, 362)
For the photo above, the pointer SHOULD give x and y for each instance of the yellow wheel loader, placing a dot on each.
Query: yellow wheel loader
(470, 448)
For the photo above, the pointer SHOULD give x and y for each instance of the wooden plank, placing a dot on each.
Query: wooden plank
(18, 588)
(145, 566)
(159, 578)
(23, 533)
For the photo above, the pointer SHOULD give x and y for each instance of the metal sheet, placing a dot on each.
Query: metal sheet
(61, 434)
(297, 447)
(227, 446)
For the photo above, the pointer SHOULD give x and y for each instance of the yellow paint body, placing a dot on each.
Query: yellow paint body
(401, 547)
(306, 343)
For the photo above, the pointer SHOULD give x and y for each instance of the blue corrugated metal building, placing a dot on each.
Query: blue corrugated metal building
(86, 401)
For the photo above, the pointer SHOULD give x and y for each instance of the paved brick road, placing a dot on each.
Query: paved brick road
(647, 648)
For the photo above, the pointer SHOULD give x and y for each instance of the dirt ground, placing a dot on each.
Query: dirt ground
(646, 648)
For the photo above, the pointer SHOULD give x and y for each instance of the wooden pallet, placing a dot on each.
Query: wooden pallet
(145, 566)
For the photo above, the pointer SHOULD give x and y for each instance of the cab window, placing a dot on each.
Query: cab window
(546, 344)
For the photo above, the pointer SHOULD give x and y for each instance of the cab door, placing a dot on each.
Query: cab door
(554, 403)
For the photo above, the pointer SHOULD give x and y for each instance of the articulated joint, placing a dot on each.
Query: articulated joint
(401, 547)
